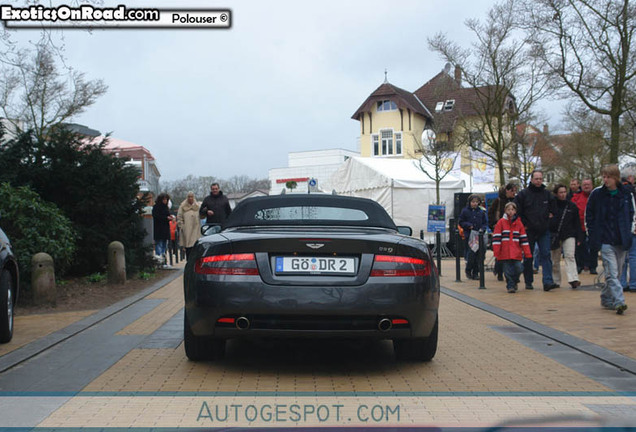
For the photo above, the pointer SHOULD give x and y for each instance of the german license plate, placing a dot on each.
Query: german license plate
(315, 265)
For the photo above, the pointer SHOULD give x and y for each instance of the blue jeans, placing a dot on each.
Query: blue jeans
(535, 254)
(512, 269)
(160, 247)
(613, 260)
(543, 241)
(630, 261)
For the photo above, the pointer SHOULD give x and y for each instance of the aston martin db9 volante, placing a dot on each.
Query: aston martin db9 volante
(310, 266)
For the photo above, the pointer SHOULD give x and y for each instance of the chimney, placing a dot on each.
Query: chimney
(545, 130)
(458, 75)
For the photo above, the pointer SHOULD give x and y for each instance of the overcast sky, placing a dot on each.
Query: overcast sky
(286, 77)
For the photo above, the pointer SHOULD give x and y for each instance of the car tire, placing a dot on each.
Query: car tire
(201, 348)
(417, 349)
(7, 295)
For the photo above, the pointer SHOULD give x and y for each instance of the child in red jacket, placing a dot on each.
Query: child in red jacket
(510, 245)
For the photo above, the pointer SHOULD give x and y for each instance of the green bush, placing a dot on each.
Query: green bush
(96, 191)
(34, 225)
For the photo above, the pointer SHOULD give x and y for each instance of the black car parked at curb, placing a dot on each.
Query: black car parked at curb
(310, 266)
(9, 287)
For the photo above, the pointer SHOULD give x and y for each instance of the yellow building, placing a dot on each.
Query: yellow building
(392, 119)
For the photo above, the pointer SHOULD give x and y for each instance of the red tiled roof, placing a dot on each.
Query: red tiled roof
(127, 149)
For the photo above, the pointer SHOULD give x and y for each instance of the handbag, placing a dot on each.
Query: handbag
(473, 241)
(555, 241)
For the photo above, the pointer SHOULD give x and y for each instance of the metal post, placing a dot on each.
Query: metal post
(481, 258)
(176, 245)
(438, 242)
(458, 265)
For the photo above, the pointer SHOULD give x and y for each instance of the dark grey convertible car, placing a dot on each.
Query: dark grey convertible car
(310, 266)
(9, 284)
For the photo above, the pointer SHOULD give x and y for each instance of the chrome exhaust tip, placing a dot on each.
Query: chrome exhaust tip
(242, 323)
(385, 324)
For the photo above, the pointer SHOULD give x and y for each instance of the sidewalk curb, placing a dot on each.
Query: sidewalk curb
(615, 359)
(36, 347)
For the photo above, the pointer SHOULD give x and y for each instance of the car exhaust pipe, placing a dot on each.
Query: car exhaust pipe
(242, 323)
(385, 324)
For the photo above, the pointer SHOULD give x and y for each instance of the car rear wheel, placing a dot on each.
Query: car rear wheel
(6, 306)
(201, 348)
(417, 349)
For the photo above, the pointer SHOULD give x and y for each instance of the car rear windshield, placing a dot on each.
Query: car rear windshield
(309, 213)
(315, 209)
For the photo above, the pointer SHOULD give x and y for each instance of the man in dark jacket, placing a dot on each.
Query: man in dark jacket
(215, 206)
(575, 188)
(609, 218)
(533, 206)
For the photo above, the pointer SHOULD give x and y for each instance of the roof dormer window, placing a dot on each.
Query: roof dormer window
(439, 106)
(386, 105)
(449, 105)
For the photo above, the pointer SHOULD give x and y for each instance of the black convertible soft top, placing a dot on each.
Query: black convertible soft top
(310, 209)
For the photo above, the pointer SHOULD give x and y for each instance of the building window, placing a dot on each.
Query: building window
(387, 143)
(387, 105)
(549, 177)
(449, 105)
(439, 106)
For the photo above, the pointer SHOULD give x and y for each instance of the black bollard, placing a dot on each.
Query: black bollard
(458, 265)
(438, 242)
(481, 258)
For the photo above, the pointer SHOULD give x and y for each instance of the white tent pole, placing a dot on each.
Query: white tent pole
(392, 187)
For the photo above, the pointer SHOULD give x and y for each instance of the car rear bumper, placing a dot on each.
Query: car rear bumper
(312, 311)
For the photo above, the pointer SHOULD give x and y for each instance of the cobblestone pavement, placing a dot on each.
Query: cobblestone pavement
(501, 356)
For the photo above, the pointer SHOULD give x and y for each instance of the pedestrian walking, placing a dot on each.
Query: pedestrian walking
(610, 222)
(189, 218)
(586, 258)
(496, 211)
(565, 229)
(630, 259)
(575, 188)
(473, 220)
(510, 245)
(161, 226)
(215, 207)
(533, 207)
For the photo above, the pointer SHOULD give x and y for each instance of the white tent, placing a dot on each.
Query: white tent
(396, 184)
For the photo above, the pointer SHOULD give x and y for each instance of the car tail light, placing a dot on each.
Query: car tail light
(230, 264)
(389, 265)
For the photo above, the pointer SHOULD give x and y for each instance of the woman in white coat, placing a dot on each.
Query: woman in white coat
(189, 222)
